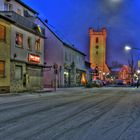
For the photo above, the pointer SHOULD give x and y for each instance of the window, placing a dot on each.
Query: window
(8, 7)
(19, 11)
(37, 45)
(96, 52)
(18, 72)
(97, 47)
(97, 39)
(2, 33)
(66, 56)
(2, 68)
(29, 43)
(19, 40)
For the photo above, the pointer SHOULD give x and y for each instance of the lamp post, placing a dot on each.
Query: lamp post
(128, 48)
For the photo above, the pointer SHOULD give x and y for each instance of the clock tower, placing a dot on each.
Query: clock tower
(98, 51)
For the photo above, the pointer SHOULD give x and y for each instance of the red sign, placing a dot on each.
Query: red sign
(34, 58)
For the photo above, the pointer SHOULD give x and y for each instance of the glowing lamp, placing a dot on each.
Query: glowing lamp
(138, 71)
(127, 48)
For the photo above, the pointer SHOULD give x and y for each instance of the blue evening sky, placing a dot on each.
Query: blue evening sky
(72, 18)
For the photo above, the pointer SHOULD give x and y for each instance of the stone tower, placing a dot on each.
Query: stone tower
(98, 50)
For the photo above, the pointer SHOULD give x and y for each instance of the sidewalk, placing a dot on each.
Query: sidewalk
(50, 91)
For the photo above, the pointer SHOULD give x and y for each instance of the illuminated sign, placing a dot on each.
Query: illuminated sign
(34, 58)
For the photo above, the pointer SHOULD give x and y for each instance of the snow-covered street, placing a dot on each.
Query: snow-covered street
(72, 114)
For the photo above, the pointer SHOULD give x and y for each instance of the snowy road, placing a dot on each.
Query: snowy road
(74, 114)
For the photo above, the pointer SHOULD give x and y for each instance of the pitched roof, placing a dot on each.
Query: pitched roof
(60, 38)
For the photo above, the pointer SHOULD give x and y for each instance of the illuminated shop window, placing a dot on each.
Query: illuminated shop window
(2, 68)
(29, 43)
(37, 45)
(2, 33)
(18, 72)
(19, 40)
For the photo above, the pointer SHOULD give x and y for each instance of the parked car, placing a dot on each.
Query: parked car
(119, 82)
(104, 82)
(97, 83)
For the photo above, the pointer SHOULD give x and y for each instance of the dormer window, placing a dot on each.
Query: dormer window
(19, 12)
(8, 6)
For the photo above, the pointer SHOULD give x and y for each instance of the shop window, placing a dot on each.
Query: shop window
(29, 43)
(19, 40)
(2, 33)
(18, 72)
(2, 68)
(37, 45)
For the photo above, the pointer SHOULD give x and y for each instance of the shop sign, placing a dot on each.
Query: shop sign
(34, 58)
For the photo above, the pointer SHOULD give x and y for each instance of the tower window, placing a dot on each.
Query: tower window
(97, 47)
(97, 39)
(96, 52)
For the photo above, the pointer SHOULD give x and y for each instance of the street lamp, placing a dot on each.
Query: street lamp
(138, 71)
(127, 48)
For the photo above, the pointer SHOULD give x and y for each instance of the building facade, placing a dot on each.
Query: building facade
(26, 46)
(98, 51)
(5, 31)
(70, 61)
(53, 55)
(74, 66)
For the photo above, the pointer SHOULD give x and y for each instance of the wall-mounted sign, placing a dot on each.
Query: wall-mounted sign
(34, 58)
